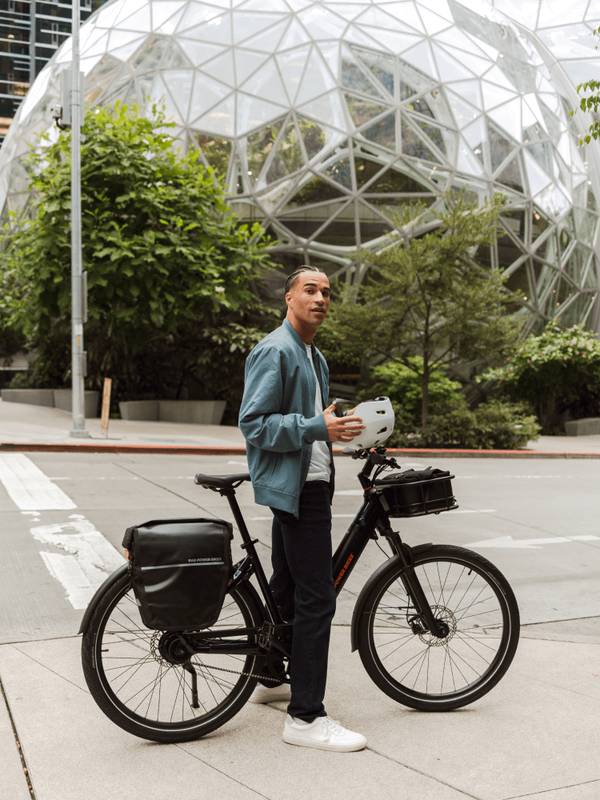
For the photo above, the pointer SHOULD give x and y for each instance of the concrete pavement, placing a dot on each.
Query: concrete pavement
(536, 735)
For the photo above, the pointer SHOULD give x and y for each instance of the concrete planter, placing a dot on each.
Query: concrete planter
(34, 397)
(583, 427)
(139, 409)
(62, 400)
(196, 412)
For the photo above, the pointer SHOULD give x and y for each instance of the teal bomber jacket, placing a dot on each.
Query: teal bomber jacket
(277, 416)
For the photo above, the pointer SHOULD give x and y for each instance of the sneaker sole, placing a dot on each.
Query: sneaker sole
(340, 748)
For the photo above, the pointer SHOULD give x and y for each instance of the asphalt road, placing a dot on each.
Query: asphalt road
(536, 519)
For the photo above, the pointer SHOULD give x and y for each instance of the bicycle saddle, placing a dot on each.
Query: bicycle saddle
(221, 481)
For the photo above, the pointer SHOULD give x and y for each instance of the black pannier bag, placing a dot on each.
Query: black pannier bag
(180, 569)
(415, 492)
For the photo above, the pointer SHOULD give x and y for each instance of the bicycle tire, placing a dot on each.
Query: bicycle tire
(500, 633)
(96, 652)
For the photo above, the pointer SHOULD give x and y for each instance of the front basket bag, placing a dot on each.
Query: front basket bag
(180, 570)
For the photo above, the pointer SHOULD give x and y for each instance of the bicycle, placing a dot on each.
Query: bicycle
(436, 626)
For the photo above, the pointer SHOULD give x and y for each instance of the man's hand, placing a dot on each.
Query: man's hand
(341, 429)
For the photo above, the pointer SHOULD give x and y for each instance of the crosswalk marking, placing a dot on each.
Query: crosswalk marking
(28, 487)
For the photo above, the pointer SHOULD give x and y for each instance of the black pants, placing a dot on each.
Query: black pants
(302, 585)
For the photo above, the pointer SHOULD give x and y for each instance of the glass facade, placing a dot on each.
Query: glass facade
(323, 119)
(31, 31)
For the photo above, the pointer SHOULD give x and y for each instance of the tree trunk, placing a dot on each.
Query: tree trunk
(425, 390)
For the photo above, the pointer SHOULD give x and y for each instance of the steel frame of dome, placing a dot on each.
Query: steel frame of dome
(324, 117)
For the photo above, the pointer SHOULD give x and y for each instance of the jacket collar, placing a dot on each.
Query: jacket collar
(294, 334)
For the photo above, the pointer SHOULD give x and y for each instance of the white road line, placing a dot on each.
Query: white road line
(28, 487)
(508, 543)
(85, 561)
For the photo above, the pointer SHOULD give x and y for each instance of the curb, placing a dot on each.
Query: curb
(224, 450)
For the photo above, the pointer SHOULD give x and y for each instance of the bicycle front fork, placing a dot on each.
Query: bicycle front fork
(424, 620)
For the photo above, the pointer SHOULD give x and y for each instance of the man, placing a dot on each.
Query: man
(288, 434)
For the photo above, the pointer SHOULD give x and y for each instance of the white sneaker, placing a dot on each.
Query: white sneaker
(271, 694)
(323, 733)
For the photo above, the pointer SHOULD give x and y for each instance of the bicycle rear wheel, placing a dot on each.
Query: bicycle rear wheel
(418, 669)
(141, 678)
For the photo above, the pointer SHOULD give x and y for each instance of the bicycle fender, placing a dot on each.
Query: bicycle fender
(360, 607)
(101, 590)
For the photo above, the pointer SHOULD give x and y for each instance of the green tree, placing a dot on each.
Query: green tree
(589, 103)
(171, 272)
(558, 372)
(428, 297)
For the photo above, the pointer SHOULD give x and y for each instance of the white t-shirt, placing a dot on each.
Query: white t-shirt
(319, 468)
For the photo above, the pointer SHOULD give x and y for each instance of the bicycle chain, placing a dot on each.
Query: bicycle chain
(157, 657)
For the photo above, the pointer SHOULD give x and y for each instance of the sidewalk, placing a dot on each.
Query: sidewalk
(536, 735)
(25, 427)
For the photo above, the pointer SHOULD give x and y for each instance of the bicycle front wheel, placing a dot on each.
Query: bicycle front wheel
(420, 670)
(145, 681)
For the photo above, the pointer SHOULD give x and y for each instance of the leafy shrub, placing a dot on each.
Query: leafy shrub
(402, 384)
(558, 372)
(493, 425)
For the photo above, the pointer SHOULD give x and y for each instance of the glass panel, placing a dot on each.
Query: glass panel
(421, 106)
(294, 35)
(292, 66)
(450, 67)
(553, 201)
(514, 220)
(246, 63)
(315, 190)
(383, 132)
(393, 40)
(352, 77)
(392, 181)
(413, 145)
(162, 10)
(219, 119)
(268, 40)
(577, 263)
(329, 108)
(259, 146)
(421, 58)
(314, 136)
(434, 133)
(585, 225)
(266, 84)
(305, 222)
(500, 147)
(340, 172)
(288, 154)
(205, 94)
(539, 147)
(199, 52)
(382, 67)
(248, 24)
(252, 112)
(316, 80)
(179, 83)
(215, 149)
(518, 281)
(508, 118)
(221, 68)
(366, 170)
(361, 110)
(511, 175)
(372, 226)
(341, 232)
(539, 223)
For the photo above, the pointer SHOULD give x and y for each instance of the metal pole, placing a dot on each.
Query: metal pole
(77, 351)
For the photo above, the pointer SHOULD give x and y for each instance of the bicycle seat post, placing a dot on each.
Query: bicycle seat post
(248, 546)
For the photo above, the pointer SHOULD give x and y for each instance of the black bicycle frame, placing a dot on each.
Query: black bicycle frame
(371, 520)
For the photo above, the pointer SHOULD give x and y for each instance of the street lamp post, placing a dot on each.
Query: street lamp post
(77, 290)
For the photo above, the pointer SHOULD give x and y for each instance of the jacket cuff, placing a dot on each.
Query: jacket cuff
(316, 429)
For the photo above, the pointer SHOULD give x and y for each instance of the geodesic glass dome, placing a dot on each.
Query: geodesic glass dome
(323, 118)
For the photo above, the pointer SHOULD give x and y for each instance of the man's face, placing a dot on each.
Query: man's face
(309, 298)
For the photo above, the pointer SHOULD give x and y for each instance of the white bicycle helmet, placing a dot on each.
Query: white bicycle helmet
(378, 418)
